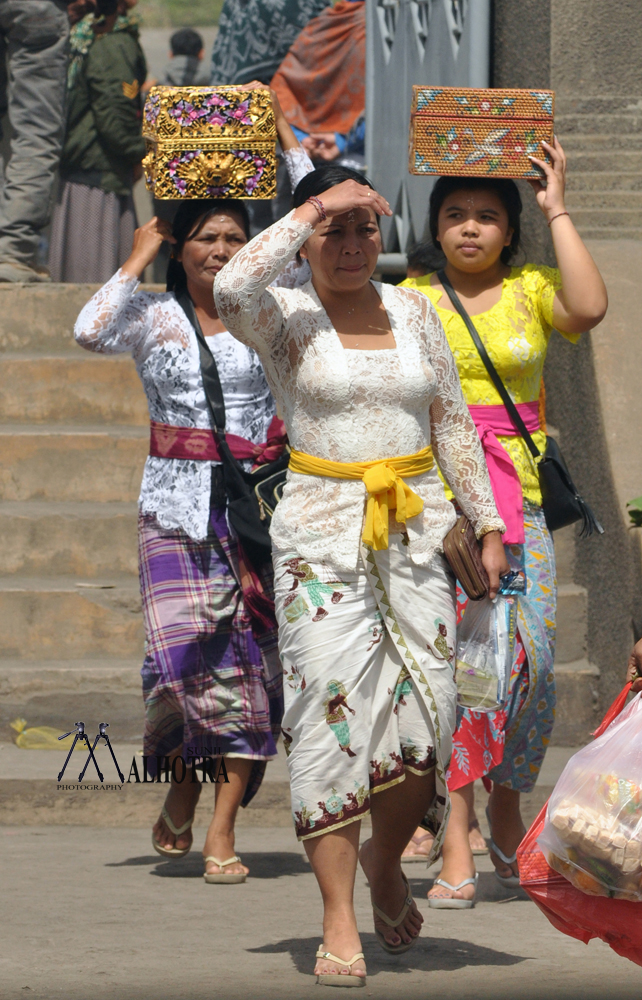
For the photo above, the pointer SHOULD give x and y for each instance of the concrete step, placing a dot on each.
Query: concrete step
(564, 541)
(86, 540)
(608, 218)
(619, 123)
(578, 702)
(42, 317)
(591, 160)
(596, 142)
(603, 180)
(83, 388)
(600, 200)
(609, 233)
(598, 104)
(61, 617)
(68, 463)
(572, 610)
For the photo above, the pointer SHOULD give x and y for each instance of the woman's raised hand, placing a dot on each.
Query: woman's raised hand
(550, 197)
(348, 195)
(147, 243)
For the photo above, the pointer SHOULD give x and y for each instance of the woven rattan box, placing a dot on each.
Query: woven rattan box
(209, 142)
(474, 132)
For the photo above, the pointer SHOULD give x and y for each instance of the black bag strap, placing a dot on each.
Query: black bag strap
(513, 412)
(209, 371)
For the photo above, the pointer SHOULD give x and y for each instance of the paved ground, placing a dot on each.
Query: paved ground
(95, 913)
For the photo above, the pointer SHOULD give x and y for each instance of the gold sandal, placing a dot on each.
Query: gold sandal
(395, 949)
(336, 978)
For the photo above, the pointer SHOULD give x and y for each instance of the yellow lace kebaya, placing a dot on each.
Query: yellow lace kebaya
(515, 332)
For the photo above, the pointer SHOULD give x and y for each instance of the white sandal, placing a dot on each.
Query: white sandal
(395, 949)
(227, 877)
(508, 881)
(449, 902)
(172, 852)
(336, 978)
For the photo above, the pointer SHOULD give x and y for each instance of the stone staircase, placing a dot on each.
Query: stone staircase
(73, 440)
(602, 137)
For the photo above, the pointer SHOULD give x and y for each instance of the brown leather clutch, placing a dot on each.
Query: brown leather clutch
(463, 553)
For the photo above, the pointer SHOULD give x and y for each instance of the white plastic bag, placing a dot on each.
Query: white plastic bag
(484, 658)
(593, 829)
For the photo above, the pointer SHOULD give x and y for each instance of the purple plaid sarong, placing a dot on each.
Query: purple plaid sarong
(210, 680)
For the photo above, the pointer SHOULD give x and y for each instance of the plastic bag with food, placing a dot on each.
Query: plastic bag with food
(593, 830)
(484, 657)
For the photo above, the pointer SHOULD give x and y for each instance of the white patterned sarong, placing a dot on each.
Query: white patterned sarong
(368, 682)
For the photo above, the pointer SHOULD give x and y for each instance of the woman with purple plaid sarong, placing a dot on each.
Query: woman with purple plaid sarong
(212, 679)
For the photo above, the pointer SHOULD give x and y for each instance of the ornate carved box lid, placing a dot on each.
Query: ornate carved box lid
(209, 142)
(479, 132)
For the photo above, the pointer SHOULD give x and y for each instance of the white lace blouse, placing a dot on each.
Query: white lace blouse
(165, 350)
(354, 406)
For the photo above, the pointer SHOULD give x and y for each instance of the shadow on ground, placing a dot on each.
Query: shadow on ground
(272, 864)
(428, 955)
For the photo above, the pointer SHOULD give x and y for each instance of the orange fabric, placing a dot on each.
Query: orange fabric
(321, 81)
(542, 407)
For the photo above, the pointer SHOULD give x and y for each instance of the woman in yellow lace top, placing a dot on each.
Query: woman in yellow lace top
(475, 222)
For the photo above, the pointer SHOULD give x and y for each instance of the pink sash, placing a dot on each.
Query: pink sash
(199, 444)
(491, 421)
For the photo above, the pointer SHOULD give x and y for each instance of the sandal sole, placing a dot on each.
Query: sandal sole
(326, 979)
(230, 879)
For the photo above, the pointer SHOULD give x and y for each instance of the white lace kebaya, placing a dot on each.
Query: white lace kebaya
(353, 405)
(165, 350)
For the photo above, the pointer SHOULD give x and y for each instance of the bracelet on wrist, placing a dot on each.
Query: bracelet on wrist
(557, 217)
(318, 204)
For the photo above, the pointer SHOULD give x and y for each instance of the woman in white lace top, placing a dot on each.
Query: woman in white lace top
(368, 389)
(211, 674)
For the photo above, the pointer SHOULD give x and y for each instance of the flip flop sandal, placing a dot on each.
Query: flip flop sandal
(335, 978)
(172, 852)
(449, 902)
(418, 842)
(227, 877)
(395, 949)
(476, 850)
(508, 881)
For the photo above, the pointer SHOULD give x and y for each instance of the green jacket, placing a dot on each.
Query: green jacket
(104, 141)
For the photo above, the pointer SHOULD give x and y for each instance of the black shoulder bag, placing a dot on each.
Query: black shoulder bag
(561, 502)
(252, 496)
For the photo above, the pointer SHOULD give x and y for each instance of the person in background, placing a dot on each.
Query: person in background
(94, 217)
(185, 67)
(421, 259)
(33, 64)
(211, 675)
(475, 223)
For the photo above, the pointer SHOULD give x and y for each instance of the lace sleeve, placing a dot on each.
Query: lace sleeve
(248, 308)
(298, 164)
(113, 321)
(455, 441)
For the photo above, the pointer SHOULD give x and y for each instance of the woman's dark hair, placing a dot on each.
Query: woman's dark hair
(507, 192)
(105, 8)
(188, 222)
(323, 178)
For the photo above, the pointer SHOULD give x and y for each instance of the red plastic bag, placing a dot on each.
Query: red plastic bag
(618, 922)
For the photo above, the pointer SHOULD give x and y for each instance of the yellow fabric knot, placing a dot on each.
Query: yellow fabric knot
(384, 481)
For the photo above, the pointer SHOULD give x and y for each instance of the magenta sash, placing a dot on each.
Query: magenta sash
(491, 421)
(199, 444)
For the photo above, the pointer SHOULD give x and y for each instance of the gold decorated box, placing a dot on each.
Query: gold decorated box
(209, 142)
(474, 132)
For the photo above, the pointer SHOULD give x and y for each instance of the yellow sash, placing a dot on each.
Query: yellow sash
(384, 481)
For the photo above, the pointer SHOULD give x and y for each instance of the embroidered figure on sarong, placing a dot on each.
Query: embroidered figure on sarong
(317, 590)
(383, 770)
(287, 740)
(440, 643)
(303, 818)
(376, 631)
(402, 688)
(336, 717)
(295, 679)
